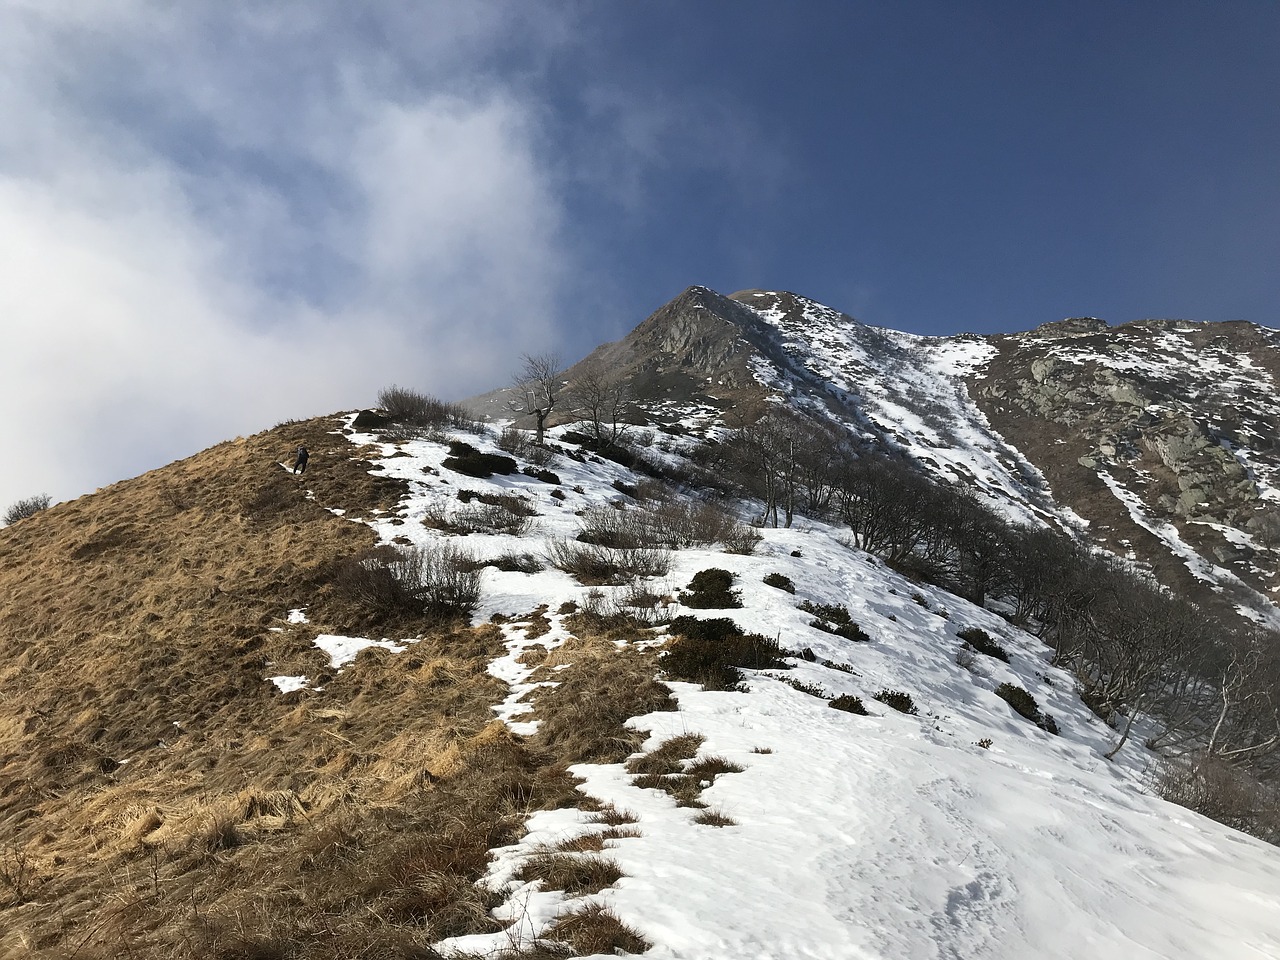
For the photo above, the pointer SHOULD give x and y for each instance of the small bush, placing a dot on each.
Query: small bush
(516, 563)
(1025, 705)
(849, 704)
(17, 872)
(440, 582)
(812, 689)
(271, 499)
(645, 605)
(835, 618)
(403, 405)
(514, 441)
(898, 700)
(744, 541)
(609, 526)
(781, 581)
(27, 507)
(466, 459)
(984, 643)
(711, 589)
(1216, 789)
(491, 513)
(692, 523)
(710, 652)
(414, 412)
(546, 476)
(593, 565)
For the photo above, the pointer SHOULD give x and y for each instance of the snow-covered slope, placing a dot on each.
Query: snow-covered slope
(1155, 440)
(962, 831)
(906, 390)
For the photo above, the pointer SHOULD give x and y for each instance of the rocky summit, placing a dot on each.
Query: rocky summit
(1157, 440)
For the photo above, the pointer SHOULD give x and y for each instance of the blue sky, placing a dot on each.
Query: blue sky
(218, 215)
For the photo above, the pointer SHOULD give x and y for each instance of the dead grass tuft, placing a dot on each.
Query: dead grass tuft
(594, 930)
(668, 756)
(599, 687)
(575, 874)
(613, 816)
(715, 818)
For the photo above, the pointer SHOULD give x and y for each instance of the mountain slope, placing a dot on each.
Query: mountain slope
(1155, 440)
(232, 724)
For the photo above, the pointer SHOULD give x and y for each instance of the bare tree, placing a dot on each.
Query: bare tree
(603, 401)
(1246, 729)
(538, 387)
(765, 451)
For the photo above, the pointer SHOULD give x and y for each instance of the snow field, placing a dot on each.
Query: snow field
(887, 836)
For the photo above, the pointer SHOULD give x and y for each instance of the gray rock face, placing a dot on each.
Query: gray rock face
(1163, 436)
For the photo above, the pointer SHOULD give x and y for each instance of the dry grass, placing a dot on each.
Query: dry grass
(715, 818)
(160, 798)
(671, 768)
(668, 756)
(599, 687)
(575, 874)
(613, 816)
(594, 930)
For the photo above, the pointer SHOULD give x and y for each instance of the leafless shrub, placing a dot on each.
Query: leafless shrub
(744, 541)
(480, 513)
(175, 497)
(415, 413)
(515, 563)
(409, 406)
(515, 441)
(272, 498)
(690, 523)
(646, 605)
(27, 507)
(440, 582)
(608, 526)
(491, 518)
(1266, 528)
(593, 564)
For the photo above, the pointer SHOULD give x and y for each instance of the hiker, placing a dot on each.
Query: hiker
(300, 465)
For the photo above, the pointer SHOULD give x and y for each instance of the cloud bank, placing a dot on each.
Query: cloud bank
(213, 218)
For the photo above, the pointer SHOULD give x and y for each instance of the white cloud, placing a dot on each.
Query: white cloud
(215, 218)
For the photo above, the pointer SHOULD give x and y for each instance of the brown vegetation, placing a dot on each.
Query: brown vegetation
(160, 797)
